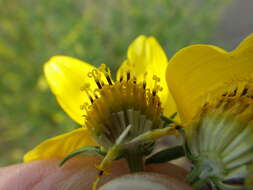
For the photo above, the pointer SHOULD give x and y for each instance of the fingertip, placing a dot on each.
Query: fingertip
(145, 181)
(77, 174)
(168, 169)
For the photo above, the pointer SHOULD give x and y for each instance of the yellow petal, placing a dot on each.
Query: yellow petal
(66, 76)
(196, 70)
(145, 55)
(60, 146)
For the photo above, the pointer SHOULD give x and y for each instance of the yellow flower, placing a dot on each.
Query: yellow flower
(198, 72)
(113, 113)
(213, 90)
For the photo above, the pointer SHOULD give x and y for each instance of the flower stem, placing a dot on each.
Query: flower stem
(134, 159)
(204, 171)
(194, 175)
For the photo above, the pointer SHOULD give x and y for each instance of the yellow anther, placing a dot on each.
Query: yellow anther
(90, 74)
(107, 73)
(159, 88)
(105, 70)
(84, 106)
(85, 86)
(156, 87)
(94, 74)
(102, 68)
(134, 80)
(88, 91)
(96, 93)
(156, 78)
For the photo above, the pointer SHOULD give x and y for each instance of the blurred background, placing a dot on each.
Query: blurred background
(97, 31)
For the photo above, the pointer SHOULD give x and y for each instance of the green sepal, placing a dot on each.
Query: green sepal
(85, 151)
(169, 120)
(185, 145)
(173, 115)
(147, 148)
(166, 155)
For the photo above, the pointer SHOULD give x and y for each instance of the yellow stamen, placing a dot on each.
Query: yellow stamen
(115, 104)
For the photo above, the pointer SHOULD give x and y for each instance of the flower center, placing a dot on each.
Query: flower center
(115, 105)
(223, 128)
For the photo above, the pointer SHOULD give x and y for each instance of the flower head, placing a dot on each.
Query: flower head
(115, 105)
(214, 94)
(118, 115)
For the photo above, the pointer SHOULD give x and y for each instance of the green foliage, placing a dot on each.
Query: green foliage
(97, 31)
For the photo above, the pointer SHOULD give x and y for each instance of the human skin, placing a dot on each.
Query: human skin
(76, 174)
